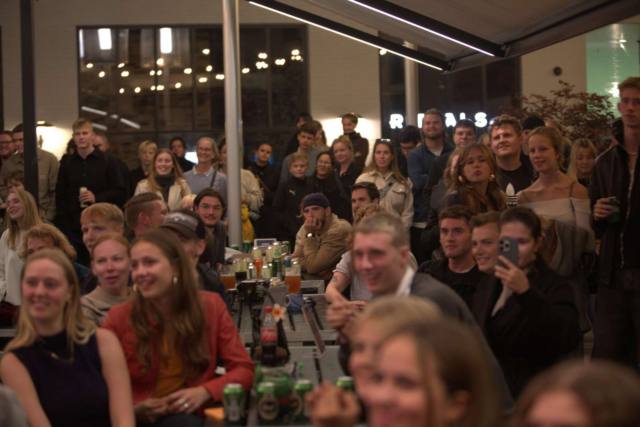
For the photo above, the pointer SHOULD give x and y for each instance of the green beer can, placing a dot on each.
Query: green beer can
(268, 406)
(233, 399)
(246, 247)
(300, 389)
(236, 247)
(276, 267)
(345, 383)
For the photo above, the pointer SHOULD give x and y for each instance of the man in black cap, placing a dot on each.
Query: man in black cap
(190, 230)
(322, 240)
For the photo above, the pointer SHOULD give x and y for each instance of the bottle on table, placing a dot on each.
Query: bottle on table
(269, 338)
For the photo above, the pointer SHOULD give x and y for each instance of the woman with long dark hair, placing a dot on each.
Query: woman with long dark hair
(395, 189)
(173, 335)
(526, 311)
(166, 179)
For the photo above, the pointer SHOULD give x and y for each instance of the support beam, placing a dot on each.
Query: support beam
(233, 117)
(29, 98)
(411, 89)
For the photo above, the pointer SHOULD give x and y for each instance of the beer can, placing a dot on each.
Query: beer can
(233, 399)
(286, 248)
(615, 213)
(269, 253)
(265, 272)
(277, 267)
(82, 190)
(345, 383)
(287, 261)
(246, 246)
(300, 389)
(256, 252)
(252, 273)
(277, 250)
(268, 406)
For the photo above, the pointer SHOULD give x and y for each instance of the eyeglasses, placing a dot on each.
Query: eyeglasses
(204, 150)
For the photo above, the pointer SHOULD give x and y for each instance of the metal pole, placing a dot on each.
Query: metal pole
(233, 116)
(411, 89)
(29, 98)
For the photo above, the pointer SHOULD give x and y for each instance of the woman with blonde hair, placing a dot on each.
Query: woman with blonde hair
(346, 173)
(22, 214)
(64, 370)
(395, 189)
(111, 264)
(173, 336)
(165, 179)
(583, 156)
(187, 201)
(575, 394)
(47, 236)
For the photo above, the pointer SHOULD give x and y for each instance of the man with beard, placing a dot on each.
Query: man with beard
(211, 207)
(420, 161)
(463, 134)
(322, 240)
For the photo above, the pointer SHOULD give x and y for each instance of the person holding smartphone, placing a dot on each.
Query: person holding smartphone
(526, 310)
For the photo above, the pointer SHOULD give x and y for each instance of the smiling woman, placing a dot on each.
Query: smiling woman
(165, 179)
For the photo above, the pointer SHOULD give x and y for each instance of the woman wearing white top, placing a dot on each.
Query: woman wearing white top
(556, 197)
(395, 189)
(22, 214)
(165, 179)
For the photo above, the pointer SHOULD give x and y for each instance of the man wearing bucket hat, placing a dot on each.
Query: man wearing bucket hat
(322, 239)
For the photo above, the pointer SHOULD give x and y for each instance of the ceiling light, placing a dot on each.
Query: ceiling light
(121, 90)
(160, 62)
(262, 55)
(280, 61)
(188, 71)
(125, 74)
(432, 26)
(383, 52)
(153, 88)
(120, 65)
(90, 65)
(137, 90)
(623, 41)
(101, 74)
(298, 58)
(104, 38)
(203, 79)
(219, 76)
(295, 52)
(160, 87)
(206, 51)
(245, 70)
(209, 68)
(159, 72)
(178, 85)
(166, 40)
(152, 73)
(353, 34)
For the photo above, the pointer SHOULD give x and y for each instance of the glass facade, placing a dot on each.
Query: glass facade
(159, 82)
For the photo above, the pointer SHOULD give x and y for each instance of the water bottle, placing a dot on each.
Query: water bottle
(269, 338)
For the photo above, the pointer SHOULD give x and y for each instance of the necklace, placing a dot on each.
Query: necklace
(54, 356)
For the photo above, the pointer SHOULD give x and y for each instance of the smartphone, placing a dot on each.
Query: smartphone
(508, 248)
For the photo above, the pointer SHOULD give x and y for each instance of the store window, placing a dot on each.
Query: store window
(476, 94)
(159, 82)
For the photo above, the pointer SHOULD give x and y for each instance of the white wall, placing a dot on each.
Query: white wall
(344, 74)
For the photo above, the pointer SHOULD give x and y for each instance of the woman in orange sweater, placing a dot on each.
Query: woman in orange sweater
(173, 334)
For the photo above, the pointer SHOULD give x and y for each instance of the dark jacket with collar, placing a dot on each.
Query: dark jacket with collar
(427, 287)
(340, 198)
(620, 242)
(360, 148)
(286, 205)
(420, 161)
(534, 329)
(269, 177)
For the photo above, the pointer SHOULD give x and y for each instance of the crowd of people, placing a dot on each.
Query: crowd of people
(462, 273)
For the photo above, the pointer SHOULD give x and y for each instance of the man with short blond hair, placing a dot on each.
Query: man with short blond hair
(146, 153)
(86, 177)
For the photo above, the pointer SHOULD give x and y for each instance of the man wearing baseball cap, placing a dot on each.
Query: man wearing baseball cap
(322, 239)
(190, 230)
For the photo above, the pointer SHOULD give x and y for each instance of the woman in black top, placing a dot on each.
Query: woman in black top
(64, 371)
(323, 178)
(345, 173)
(526, 311)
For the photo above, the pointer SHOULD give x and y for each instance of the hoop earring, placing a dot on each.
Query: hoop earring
(492, 177)
(460, 178)
(134, 288)
(175, 280)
